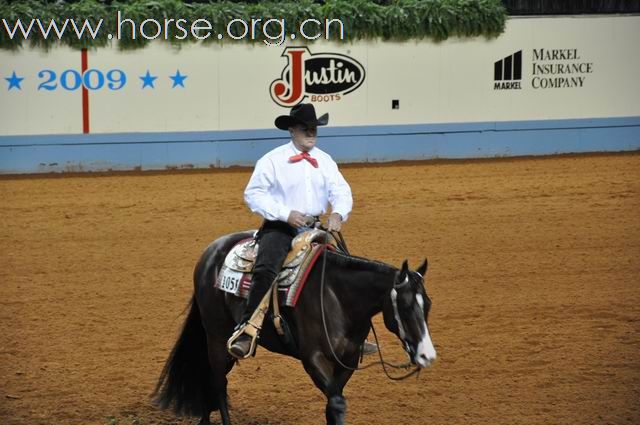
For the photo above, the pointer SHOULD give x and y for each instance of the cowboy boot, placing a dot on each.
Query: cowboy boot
(369, 348)
(241, 346)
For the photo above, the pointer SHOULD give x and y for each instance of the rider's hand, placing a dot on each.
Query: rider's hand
(297, 219)
(334, 222)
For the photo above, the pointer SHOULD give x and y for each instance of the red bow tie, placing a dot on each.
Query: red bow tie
(304, 155)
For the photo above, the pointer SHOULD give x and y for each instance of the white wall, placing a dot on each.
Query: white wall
(227, 86)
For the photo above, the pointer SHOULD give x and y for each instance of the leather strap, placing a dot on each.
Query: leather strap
(277, 319)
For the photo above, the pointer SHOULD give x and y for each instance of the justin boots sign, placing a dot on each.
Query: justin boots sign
(322, 77)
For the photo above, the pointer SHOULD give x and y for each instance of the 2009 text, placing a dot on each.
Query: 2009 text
(91, 79)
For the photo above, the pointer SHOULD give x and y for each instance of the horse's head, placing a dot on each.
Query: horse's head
(406, 313)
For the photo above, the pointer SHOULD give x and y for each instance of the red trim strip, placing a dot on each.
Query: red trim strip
(85, 94)
(306, 272)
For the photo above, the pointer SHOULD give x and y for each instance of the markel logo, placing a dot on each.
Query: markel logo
(507, 72)
(323, 77)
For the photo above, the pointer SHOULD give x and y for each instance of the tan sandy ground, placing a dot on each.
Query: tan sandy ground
(535, 274)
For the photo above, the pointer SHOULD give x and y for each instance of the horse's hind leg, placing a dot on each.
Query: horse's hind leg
(221, 364)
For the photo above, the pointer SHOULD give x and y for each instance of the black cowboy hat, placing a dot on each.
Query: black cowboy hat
(302, 113)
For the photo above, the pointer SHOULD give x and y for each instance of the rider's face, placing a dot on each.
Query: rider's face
(303, 137)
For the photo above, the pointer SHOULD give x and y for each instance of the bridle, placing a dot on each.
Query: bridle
(385, 364)
(396, 313)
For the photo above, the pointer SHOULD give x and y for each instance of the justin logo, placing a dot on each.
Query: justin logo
(323, 77)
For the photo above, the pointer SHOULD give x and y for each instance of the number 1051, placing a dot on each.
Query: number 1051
(92, 79)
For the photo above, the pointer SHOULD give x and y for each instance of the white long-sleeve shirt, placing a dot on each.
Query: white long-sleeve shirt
(278, 186)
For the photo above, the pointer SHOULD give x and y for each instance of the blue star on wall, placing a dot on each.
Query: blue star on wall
(178, 79)
(147, 80)
(14, 81)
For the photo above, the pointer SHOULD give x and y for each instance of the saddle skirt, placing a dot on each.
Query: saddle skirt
(235, 274)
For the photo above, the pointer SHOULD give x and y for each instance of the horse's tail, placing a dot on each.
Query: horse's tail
(185, 383)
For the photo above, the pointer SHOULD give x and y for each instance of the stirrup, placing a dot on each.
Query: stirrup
(252, 331)
(252, 326)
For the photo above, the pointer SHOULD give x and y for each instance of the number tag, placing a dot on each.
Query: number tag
(229, 280)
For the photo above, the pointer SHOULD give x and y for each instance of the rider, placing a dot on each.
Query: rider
(290, 187)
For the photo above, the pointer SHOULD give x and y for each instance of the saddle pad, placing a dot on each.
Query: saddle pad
(239, 283)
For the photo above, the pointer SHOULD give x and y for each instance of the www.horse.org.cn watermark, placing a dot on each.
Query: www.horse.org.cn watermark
(271, 31)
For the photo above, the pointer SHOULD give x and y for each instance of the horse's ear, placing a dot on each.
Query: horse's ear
(423, 268)
(405, 266)
(404, 270)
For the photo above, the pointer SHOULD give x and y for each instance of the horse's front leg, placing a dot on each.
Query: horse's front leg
(336, 410)
(330, 378)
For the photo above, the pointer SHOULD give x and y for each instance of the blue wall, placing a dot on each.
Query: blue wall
(153, 151)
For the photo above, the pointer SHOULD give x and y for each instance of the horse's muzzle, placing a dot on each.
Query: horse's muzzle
(425, 353)
(423, 360)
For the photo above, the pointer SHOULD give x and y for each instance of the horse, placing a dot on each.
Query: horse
(328, 326)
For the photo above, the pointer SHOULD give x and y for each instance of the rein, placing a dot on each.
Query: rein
(342, 245)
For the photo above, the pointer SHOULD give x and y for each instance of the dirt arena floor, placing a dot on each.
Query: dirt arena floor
(534, 275)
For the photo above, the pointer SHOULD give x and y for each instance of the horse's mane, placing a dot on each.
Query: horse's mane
(347, 260)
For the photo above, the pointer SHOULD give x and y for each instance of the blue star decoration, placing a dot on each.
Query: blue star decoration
(14, 81)
(178, 79)
(147, 80)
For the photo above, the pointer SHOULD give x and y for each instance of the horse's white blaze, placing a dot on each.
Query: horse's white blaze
(394, 296)
(426, 352)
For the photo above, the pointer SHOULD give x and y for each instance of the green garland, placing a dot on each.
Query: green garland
(362, 19)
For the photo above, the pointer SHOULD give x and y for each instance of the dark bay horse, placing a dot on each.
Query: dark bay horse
(194, 382)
